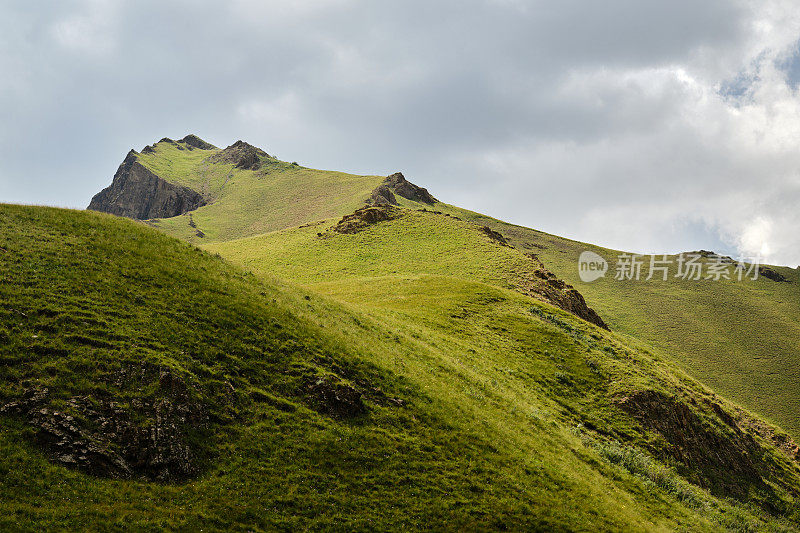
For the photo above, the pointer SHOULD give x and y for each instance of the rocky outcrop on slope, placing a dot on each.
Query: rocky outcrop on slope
(719, 456)
(193, 141)
(331, 396)
(365, 217)
(763, 271)
(137, 193)
(242, 155)
(772, 275)
(148, 438)
(496, 236)
(563, 295)
(396, 184)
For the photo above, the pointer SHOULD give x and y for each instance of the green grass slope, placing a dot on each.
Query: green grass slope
(482, 408)
(742, 338)
(437, 278)
(416, 243)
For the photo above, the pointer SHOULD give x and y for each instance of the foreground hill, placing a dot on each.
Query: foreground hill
(147, 384)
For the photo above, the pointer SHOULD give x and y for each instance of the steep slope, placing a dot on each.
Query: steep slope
(464, 406)
(742, 338)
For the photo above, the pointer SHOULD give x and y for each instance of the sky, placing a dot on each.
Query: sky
(645, 126)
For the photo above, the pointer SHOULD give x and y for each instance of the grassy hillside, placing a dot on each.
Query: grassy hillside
(415, 243)
(742, 338)
(423, 273)
(739, 337)
(426, 401)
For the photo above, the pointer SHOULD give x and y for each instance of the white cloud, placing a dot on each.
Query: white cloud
(92, 31)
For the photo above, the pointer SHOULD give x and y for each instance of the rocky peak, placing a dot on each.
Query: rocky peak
(136, 192)
(242, 155)
(196, 142)
(397, 184)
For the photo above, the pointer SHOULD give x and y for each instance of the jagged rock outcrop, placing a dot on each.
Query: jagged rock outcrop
(366, 216)
(103, 437)
(137, 193)
(194, 141)
(397, 184)
(242, 155)
(565, 296)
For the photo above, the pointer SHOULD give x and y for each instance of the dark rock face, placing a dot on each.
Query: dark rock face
(772, 274)
(242, 155)
(565, 296)
(397, 184)
(365, 217)
(196, 142)
(137, 193)
(331, 396)
(718, 456)
(104, 438)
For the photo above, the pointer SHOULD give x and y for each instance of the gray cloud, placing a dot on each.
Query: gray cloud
(604, 121)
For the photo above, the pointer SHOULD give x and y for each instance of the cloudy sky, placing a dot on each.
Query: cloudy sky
(639, 125)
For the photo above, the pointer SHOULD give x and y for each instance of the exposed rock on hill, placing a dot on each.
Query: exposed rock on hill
(719, 456)
(329, 395)
(773, 275)
(137, 193)
(242, 155)
(196, 142)
(365, 217)
(764, 271)
(495, 235)
(106, 438)
(561, 294)
(397, 184)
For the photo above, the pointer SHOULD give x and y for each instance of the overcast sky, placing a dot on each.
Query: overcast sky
(645, 126)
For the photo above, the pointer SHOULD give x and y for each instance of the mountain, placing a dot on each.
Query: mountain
(374, 363)
(241, 191)
(741, 338)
